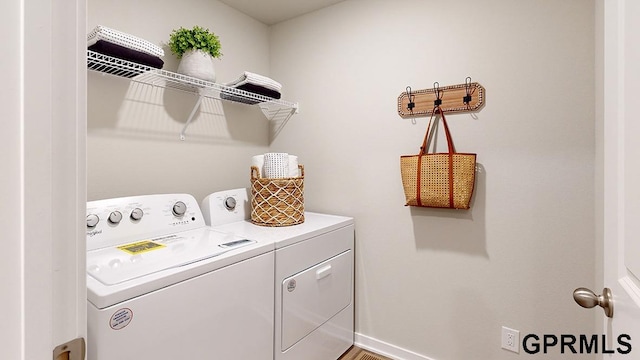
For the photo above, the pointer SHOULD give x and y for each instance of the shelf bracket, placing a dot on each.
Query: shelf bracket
(193, 113)
(278, 117)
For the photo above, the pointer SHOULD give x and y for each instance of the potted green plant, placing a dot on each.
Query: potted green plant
(196, 48)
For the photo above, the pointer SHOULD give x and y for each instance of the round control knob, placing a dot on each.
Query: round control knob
(136, 214)
(230, 203)
(92, 220)
(179, 208)
(115, 217)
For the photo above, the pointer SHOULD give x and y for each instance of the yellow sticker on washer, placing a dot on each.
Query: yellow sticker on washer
(140, 247)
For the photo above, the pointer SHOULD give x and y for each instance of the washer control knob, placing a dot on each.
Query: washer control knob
(115, 217)
(136, 214)
(92, 220)
(179, 208)
(230, 203)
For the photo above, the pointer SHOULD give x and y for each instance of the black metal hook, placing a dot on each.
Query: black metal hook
(467, 85)
(438, 92)
(411, 97)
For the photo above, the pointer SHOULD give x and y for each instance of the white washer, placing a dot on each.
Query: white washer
(314, 263)
(162, 285)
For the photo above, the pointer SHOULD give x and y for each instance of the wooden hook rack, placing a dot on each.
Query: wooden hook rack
(453, 100)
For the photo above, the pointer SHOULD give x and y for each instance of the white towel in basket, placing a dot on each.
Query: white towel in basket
(276, 165)
(293, 166)
(259, 162)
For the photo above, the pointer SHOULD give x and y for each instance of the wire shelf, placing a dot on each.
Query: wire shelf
(275, 110)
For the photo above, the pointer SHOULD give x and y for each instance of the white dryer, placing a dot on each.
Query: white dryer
(314, 267)
(162, 285)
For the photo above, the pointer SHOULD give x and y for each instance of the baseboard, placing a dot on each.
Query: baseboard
(386, 349)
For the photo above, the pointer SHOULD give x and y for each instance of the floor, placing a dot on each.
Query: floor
(356, 353)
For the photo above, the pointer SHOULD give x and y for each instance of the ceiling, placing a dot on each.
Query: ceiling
(274, 11)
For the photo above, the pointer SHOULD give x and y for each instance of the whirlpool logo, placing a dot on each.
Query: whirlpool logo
(93, 233)
(581, 344)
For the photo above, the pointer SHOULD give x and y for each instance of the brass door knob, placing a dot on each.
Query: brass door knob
(588, 299)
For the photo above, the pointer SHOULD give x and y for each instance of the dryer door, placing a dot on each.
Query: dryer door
(313, 296)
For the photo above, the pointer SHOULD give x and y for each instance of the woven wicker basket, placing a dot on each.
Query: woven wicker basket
(277, 202)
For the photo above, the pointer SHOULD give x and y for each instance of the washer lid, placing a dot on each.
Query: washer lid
(114, 265)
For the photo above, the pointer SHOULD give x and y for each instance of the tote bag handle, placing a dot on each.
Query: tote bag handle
(424, 150)
(425, 143)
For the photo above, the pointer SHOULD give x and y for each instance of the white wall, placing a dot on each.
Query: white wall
(441, 283)
(133, 129)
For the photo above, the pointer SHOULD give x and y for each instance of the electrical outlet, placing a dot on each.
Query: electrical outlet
(511, 339)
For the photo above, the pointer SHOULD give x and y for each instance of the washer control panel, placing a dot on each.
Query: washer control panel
(112, 222)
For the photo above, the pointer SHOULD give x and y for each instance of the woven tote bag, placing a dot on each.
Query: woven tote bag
(438, 180)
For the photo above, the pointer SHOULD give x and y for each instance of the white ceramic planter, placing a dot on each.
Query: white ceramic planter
(197, 64)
